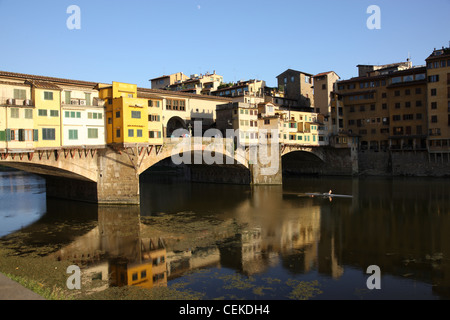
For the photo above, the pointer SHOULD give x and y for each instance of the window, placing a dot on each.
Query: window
(42, 112)
(20, 94)
(384, 106)
(139, 133)
(434, 105)
(14, 112)
(434, 119)
(48, 134)
(418, 116)
(117, 114)
(434, 78)
(433, 92)
(418, 90)
(28, 113)
(73, 134)
(408, 117)
(396, 118)
(407, 92)
(292, 79)
(154, 134)
(398, 131)
(48, 95)
(54, 113)
(397, 105)
(92, 133)
(397, 93)
(135, 114)
(88, 98)
(118, 133)
(407, 104)
(130, 133)
(418, 103)
(67, 95)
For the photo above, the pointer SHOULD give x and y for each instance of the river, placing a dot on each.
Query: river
(238, 242)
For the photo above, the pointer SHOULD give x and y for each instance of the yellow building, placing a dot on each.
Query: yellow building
(16, 116)
(47, 122)
(126, 115)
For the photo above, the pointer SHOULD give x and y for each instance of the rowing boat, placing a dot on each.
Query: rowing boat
(327, 195)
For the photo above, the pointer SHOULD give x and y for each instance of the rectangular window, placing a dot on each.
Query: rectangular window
(434, 78)
(28, 113)
(135, 114)
(48, 134)
(42, 112)
(139, 133)
(433, 92)
(408, 117)
(130, 133)
(434, 119)
(118, 133)
(117, 114)
(54, 113)
(67, 96)
(88, 98)
(15, 113)
(73, 134)
(20, 94)
(92, 133)
(48, 95)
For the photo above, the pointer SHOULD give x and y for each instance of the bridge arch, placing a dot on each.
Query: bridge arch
(193, 153)
(303, 161)
(55, 165)
(173, 124)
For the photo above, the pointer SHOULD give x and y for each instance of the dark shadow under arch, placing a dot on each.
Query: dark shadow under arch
(302, 163)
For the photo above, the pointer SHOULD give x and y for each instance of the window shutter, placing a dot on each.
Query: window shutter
(21, 134)
(35, 135)
(2, 135)
(8, 134)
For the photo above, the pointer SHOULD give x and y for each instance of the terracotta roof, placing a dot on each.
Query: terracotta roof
(43, 85)
(323, 73)
(143, 91)
(44, 78)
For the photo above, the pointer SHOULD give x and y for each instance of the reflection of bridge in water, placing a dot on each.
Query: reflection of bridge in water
(126, 250)
(257, 232)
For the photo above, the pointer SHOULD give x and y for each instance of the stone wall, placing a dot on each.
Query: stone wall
(404, 163)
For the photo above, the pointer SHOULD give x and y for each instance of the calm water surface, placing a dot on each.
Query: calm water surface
(238, 242)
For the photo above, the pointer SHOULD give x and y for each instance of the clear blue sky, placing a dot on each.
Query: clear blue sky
(133, 41)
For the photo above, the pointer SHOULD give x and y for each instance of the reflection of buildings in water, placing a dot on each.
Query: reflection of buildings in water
(178, 263)
(290, 230)
(147, 272)
(114, 252)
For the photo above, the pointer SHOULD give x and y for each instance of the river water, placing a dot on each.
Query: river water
(239, 242)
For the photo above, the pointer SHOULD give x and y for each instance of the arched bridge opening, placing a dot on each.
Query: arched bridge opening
(302, 163)
(196, 166)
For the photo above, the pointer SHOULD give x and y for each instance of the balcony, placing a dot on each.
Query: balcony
(17, 102)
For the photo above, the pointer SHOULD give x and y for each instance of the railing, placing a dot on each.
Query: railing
(16, 102)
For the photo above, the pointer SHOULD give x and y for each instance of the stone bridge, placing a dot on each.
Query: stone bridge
(110, 175)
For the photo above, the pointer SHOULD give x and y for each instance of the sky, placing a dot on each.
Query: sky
(134, 41)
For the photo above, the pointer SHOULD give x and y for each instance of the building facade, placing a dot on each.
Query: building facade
(438, 91)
